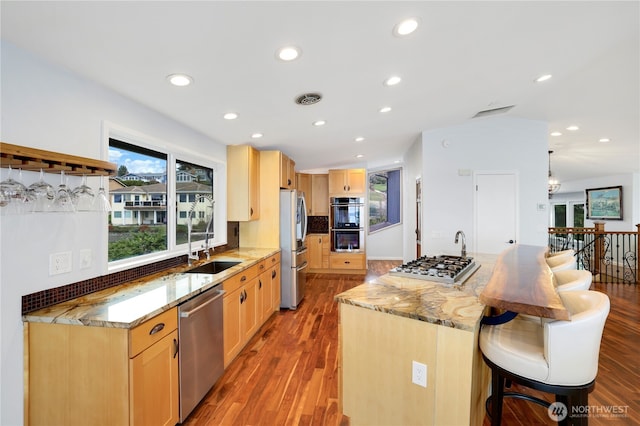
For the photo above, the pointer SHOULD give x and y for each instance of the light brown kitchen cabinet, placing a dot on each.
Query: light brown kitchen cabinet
(347, 183)
(81, 375)
(318, 256)
(269, 287)
(243, 183)
(303, 184)
(287, 172)
(348, 261)
(320, 191)
(240, 311)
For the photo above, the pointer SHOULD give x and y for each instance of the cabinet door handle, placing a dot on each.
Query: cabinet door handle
(348, 188)
(344, 188)
(241, 297)
(246, 296)
(244, 278)
(347, 262)
(273, 274)
(261, 266)
(260, 284)
(156, 328)
(176, 346)
(251, 212)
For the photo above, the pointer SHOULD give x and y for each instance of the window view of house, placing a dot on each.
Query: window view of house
(384, 199)
(138, 221)
(194, 196)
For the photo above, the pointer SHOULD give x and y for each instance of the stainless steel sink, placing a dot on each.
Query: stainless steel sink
(214, 267)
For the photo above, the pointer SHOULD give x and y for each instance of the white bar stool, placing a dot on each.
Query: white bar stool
(559, 357)
(561, 263)
(572, 280)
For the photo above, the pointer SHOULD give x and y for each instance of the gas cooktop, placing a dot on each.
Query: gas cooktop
(443, 269)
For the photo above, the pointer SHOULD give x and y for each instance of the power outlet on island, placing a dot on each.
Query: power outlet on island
(419, 374)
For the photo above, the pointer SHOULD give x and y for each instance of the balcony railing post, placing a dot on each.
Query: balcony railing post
(599, 248)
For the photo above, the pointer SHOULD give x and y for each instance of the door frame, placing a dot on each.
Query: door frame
(516, 175)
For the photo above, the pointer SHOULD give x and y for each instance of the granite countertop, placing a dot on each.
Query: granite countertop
(130, 304)
(448, 305)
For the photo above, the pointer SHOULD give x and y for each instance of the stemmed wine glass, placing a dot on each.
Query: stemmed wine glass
(63, 202)
(41, 194)
(101, 201)
(13, 194)
(83, 196)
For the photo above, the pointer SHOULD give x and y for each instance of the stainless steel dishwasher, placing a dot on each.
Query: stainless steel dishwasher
(201, 347)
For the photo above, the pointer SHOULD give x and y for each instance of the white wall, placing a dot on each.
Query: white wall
(575, 191)
(50, 108)
(412, 171)
(491, 143)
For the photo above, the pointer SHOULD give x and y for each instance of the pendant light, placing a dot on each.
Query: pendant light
(554, 185)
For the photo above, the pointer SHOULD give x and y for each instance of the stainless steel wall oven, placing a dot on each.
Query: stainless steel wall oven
(347, 224)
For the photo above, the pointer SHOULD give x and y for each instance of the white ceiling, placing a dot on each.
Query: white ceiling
(464, 57)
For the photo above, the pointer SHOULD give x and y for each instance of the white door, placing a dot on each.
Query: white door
(496, 211)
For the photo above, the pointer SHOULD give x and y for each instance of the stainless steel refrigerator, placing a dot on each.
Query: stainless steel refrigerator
(293, 232)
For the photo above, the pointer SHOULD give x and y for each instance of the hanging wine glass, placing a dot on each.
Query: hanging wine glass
(14, 194)
(83, 196)
(41, 194)
(63, 202)
(101, 201)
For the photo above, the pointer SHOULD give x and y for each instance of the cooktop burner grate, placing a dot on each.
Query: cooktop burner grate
(444, 269)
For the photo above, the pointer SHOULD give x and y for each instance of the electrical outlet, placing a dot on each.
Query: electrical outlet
(419, 374)
(85, 258)
(59, 263)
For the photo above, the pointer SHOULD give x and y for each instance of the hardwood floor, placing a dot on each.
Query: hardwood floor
(287, 374)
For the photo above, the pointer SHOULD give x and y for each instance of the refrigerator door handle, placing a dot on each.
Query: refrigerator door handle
(303, 266)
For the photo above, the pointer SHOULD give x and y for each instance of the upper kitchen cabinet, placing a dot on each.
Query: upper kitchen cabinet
(303, 184)
(287, 172)
(243, 183)
(347, 183)
(320, 191)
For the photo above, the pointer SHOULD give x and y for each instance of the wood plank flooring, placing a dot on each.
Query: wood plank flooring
(287, 373)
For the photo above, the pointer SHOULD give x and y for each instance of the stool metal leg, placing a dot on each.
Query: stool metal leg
(497, 394)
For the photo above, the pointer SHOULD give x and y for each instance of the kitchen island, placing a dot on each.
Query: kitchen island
(388, 323)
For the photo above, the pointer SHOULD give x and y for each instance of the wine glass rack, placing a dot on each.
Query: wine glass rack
(32, 159)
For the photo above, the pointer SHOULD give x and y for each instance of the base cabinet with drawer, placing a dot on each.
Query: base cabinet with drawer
(83, 375)
(348, 262)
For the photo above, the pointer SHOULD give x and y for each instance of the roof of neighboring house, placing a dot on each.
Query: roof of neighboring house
(181, 187)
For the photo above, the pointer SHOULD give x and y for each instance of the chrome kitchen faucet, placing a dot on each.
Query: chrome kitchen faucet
(463, 252)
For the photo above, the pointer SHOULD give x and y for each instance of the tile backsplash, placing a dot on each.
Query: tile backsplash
(318, 225)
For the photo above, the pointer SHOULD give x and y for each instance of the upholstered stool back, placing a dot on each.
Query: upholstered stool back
(572, 280)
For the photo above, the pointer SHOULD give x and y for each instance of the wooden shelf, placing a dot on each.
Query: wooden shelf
(20, 157)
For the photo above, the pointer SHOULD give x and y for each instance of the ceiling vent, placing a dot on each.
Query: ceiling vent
(494, 111)
(308, 99)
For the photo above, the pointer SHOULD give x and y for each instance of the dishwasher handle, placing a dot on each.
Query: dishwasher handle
(186, 314)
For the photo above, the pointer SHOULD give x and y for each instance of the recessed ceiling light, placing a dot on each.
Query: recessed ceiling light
(359, 155)
(573, 128)
(392, 81)
(359, 139)
(385, 109)
(319, 123)
(230, 116)
(288, 53)
(256, 135)
(180, 80)
(397, 162)
(542, 78)
(604, 140)
(556, 134)
(405, 27)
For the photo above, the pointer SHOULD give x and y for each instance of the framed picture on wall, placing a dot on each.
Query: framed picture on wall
(604, 203)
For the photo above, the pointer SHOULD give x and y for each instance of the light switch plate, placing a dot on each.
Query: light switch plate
(60, 263)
